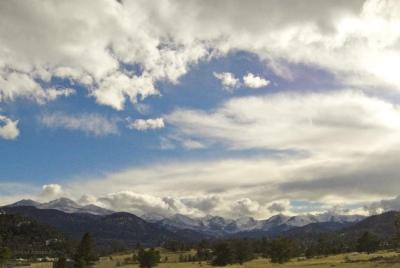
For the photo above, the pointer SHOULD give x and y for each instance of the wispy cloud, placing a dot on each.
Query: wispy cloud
(91, 124)
(146, 124)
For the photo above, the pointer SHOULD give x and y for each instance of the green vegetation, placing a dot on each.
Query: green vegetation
(5, 255)
(148, 258)
(27, 238)
(281, 250)
(298, 249)
(368, 243)
(84, 255)
(396, 237)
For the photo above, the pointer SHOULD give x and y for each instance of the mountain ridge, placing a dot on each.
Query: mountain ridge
(63, 204)
(209, 225)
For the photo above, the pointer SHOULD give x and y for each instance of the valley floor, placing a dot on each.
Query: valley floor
(350, 260)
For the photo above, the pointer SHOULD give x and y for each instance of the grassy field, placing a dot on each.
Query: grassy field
(350, 260)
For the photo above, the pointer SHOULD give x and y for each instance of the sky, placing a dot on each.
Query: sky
(231, 108)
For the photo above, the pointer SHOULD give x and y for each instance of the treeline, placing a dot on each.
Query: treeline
(282, 249)
(26, 238)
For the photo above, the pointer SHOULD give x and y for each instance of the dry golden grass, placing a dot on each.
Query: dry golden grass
(350, 260)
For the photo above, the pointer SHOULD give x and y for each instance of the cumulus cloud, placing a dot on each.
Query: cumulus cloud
(14, 85)
(205, 204)
(279, 207)
(146, 124)
(50, 191)
(134, 202)
(101, 39)
(92, 124)
(253, 81)
(319, 142)
(383, 206)
(228, 80)
(8, 128)
(246, 207)
(87, 199)
(141, 204)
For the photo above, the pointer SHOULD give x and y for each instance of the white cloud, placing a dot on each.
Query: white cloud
(134, 202)
(246, 207)
(51, 191)
(392, 204)
(205, 204)
(228, 80)
(146, 124)
(355, 40)
(8, 128)
(87, 199)
(281, 206)
(338, 123)
(14, 85)
(92, 124)
(252, 81)
(337, 140)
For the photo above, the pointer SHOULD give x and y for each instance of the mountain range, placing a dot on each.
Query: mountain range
(210, 226)
(121, 229)
(219, 226)
(63, 204)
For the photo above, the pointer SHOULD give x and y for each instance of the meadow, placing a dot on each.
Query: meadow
(350, 260)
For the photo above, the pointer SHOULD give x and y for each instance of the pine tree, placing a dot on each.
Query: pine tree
(368, 242)
(396, 238)
(149, 258)
(281, 250)
(5, 255)
(61, 263)
(84, 255)
(243, 251)
(223, 254)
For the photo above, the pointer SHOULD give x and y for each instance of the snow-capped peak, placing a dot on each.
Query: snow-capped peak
(64, 204)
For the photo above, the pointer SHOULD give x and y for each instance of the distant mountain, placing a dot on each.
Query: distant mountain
(381, 225)
(152, 217)
(82, 218)
(218, 226)
(25, 203)
(122, 229)
(64, 204)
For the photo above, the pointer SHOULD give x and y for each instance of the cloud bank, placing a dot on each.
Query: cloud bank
(95, 43)
(311, 144)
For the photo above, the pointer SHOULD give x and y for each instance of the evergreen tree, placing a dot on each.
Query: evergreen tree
(368, 242)
(311, 251)
(281, 250)
(149, 258)
(5, 255)
(223, 254)
(84, 253)
(61, 263)
(243, 251)
(396, 238)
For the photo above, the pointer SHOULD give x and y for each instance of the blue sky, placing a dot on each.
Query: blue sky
(222, 111)
(65, 153)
